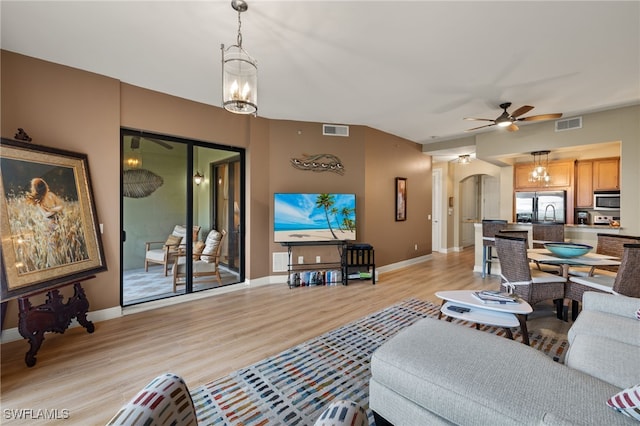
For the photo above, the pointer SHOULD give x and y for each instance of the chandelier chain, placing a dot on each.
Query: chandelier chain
(239, 27)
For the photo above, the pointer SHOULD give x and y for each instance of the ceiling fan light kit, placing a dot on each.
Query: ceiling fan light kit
(508, 121)
(239, 73)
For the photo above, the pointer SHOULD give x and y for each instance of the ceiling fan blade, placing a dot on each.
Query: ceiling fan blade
(161, 143)
(541, 117)
(522, 110)
(478, 119)
(512, 128)
(481, 127)
(135, 142)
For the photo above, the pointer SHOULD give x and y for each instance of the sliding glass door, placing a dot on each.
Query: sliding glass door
(181, 216)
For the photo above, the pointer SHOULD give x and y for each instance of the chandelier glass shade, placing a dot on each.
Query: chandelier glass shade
(540, 172)
(464, 159)
(133, 160)
(239, 73)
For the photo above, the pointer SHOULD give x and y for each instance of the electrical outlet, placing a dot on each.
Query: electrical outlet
(415, 247)
(318, 259)
(300, 260)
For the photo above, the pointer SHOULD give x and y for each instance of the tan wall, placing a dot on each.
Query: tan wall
(388, 157)
(67, 108)
(78, 111)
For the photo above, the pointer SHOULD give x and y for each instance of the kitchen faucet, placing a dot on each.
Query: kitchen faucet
(545, 212)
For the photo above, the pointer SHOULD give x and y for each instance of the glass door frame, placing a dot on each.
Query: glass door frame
(191, 145)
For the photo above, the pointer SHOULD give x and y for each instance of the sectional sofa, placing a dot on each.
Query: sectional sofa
(438, 373)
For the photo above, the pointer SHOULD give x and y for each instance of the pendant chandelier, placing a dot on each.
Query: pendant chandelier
(464, 159)
(540, 173)
(239, 73)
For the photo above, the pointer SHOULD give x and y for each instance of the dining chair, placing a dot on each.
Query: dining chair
(546, 232)
(489, 229)
(520, 278)
(626, 282)
(610, 245)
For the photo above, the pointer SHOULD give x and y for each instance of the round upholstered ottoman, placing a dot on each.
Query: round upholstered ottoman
(343, 413)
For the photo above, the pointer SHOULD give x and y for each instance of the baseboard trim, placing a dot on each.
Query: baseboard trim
(12, 334)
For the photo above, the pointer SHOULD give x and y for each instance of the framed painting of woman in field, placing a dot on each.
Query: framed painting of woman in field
(48, 220)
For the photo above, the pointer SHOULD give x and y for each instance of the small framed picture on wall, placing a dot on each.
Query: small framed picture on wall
(401, 199)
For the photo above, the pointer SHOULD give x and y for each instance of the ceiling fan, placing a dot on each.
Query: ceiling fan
(135, 142)
(508, 120)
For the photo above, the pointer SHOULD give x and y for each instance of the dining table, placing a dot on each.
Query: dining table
(544, 256)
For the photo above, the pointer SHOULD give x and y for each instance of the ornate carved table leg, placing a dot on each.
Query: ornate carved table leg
(53, 315)
(80, 306)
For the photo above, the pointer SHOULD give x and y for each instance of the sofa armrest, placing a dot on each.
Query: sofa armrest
(615, 304)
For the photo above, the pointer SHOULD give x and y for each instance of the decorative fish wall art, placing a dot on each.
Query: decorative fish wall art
(319, 163)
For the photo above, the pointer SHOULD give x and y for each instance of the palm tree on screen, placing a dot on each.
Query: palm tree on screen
(326, 201)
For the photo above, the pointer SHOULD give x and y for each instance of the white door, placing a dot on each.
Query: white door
(490, 197)
(436, 210)
(468, 209)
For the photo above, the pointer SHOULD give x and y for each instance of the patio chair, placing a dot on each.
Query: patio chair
(205, 263)
(167, 250)
(519, 278)
(626, 282)
(611, 245)
(489, 229)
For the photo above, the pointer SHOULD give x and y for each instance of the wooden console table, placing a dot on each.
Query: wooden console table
(54, 316)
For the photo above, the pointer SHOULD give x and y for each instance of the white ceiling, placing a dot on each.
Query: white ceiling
(413, 68)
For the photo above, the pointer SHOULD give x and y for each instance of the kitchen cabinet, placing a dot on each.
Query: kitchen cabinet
(561, 173)
(600, 174)
(584, 183)
(606, 174)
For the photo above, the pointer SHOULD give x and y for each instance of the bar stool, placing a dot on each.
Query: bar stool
(490, 227)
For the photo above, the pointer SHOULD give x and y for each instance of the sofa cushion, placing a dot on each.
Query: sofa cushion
(607, 359)
(614, 327)
(627, 402)
(465, 376)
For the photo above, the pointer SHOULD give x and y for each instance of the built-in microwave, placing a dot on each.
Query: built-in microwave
(606, 200)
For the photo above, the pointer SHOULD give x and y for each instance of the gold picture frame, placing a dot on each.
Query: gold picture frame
(48, 221)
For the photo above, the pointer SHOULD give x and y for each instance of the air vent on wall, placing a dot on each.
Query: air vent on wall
(335, 130)
(569, 124)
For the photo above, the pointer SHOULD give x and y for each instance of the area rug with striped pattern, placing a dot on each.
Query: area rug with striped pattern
(294, 386)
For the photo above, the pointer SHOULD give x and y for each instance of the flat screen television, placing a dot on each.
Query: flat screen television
(314, 217)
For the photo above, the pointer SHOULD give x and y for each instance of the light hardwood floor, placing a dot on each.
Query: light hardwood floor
(92, 375)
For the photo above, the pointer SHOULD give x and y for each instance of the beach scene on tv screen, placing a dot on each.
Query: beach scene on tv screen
(314, 217)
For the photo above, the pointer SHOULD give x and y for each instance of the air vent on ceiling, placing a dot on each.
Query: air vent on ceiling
(335, 130)
(569, 124)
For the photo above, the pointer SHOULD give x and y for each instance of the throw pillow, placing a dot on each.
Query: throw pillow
(198, 246)
(627, 402)
(173, 240)
(165, 400)
(638, 314)
(211, 246)
(343, 413)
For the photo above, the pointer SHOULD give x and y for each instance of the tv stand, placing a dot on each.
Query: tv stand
(351, 256)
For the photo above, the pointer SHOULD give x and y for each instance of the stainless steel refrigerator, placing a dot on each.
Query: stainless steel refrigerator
(541, 206)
